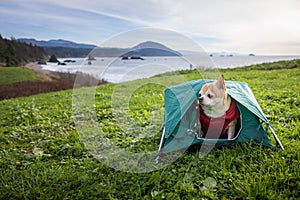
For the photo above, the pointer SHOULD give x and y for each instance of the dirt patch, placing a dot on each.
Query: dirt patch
(47, 81)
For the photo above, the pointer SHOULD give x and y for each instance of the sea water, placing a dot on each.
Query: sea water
(116, 69)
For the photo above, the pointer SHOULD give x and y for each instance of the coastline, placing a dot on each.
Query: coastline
(127, 70)
(43, 74)
(34, 66)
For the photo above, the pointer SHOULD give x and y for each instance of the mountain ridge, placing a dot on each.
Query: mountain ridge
(150, 48)
(55, 43)
(65, 48)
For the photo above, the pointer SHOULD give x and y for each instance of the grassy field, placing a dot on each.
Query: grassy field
(10, 75)
(23, 81)
(42, 156)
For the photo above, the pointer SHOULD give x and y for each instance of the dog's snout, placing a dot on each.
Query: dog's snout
(201, 98)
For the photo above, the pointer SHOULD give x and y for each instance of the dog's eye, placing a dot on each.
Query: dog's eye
(209, 96)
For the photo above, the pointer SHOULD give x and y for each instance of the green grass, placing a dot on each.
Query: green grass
(10, 75)
(42, 156)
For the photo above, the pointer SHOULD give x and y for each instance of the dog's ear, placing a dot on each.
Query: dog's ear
(221, 83)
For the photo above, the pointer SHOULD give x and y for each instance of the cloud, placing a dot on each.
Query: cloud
(238, 25)
(138, 13)
(228, 25)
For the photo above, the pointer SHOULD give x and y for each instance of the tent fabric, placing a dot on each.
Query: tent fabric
(181, 116)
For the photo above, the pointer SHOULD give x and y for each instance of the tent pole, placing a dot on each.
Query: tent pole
(276, 138)
(161, 140)
(157, 159)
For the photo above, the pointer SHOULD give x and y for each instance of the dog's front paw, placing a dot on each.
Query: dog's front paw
(199, 133)
(231, 129)
(230, 134)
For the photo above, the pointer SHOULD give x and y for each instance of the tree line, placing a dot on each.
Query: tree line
(15, 53)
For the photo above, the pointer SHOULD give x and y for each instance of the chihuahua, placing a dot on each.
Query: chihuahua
(218, 112)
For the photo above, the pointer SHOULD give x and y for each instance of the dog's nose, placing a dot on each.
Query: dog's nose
(201, 98)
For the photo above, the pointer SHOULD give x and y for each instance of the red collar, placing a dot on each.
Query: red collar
(215, 128)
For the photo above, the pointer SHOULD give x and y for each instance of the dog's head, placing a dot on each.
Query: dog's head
(212, 94)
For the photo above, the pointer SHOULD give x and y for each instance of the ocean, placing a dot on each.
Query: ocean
(117, 70)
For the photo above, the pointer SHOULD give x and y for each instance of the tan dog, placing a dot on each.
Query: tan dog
(218, 113)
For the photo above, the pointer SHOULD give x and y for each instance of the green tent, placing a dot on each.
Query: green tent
(181, 114)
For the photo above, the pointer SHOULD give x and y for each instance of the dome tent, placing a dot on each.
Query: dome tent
(181, 115)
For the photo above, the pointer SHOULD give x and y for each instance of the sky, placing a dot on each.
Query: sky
(265, 27)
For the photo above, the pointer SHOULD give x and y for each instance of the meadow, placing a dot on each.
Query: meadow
(10, 75)
(43, 156)
(25, 81)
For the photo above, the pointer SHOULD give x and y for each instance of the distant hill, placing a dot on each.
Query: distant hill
(61, 48)
(150, 48)
(67, 52)
(56, 43)
(15, 53)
